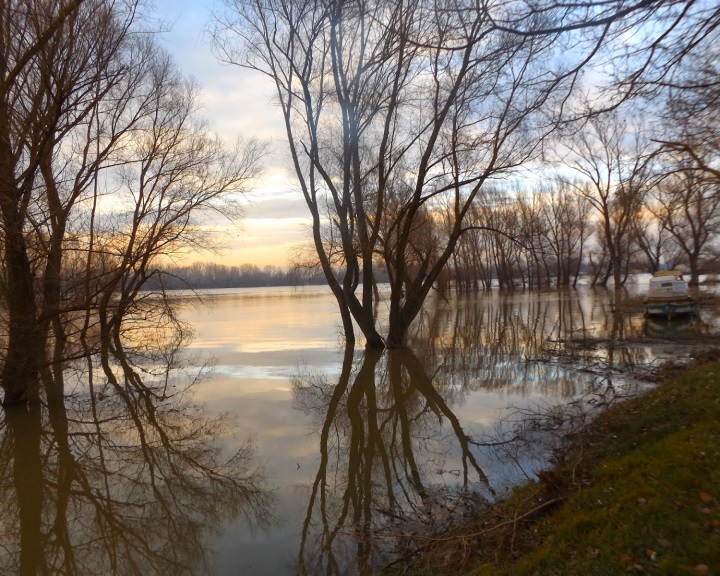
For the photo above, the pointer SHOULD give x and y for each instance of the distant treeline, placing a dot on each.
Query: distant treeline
(202, 275)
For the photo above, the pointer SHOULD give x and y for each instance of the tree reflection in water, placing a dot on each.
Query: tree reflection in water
(381, 438)
(124, 476)
(388, 433)
(530, 343)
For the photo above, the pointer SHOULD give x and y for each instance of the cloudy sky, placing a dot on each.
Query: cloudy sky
(238, 104)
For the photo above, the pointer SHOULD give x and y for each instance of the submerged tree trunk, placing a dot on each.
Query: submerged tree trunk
(389, 161)
(24, 347)
(694, 269)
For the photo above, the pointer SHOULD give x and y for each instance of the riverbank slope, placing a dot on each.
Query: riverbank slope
(635, 492)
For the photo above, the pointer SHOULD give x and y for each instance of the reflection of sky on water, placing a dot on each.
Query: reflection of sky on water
(259, 340)
(279, 372)
(126, 475)
(171, 447)
(484, 354)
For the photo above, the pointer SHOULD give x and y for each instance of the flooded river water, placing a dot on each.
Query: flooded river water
(267, 447)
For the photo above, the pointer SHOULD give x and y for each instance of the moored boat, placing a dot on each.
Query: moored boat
(668, 296)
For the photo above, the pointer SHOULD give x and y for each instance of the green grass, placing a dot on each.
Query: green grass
(639, 493)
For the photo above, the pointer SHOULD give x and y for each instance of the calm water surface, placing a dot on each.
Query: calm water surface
(279, 358)
(266, 447)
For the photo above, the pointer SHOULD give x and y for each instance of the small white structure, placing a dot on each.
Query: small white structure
(668, 295)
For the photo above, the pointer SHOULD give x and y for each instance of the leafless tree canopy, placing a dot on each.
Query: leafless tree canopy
(400, 115)
(104, 169)
(398, 112)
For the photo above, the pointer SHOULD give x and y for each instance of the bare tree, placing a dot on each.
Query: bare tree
(613, 159)
(677, 35)
(533, 229)
(106, 170)
(653, 239)
(40, 100)
(566, 229)
(688, 207)
(395, 111)
(687, 197)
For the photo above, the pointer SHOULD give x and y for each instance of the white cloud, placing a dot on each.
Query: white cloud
(238, 103)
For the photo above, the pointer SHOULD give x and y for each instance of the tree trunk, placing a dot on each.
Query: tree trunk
(24, 348)
(694, 270)
(617, 277)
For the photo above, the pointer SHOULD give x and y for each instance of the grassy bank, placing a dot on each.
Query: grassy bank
(638, 492)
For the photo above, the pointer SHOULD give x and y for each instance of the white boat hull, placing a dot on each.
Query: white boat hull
(670, 308)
